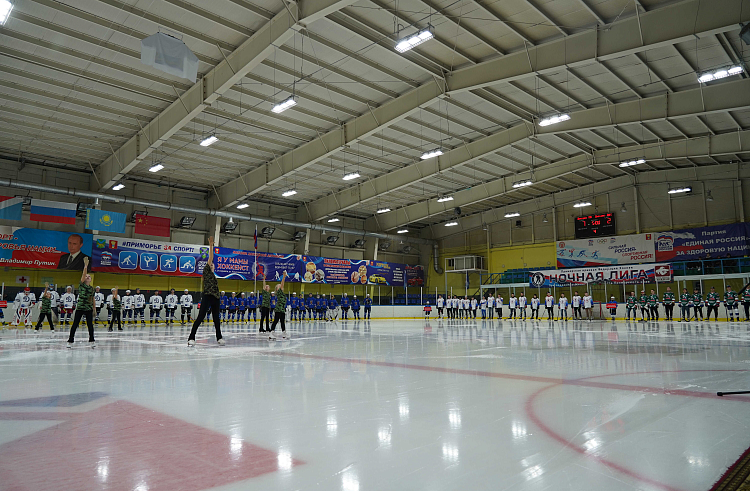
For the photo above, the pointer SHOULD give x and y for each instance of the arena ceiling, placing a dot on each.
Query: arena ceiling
(75, 93)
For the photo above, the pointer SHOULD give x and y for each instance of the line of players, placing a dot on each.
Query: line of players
(234, 307)
(454, 307)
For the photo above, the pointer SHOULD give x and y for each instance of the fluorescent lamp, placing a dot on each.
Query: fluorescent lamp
(403, 231)
(451, 224)
(384, 210)
(242, 206)
(443, 199)
(333, 220)
(558, 118)
(521, 184)
(432, 153)
(719, 73)
(686, 189)
(5, 8)
(413, 41)
(512, 214)
(284, 105)
(631, 163)
(350, 176)
(118, 186)
(582, 204)
(288, 193)
(156, 168)
(209, 141)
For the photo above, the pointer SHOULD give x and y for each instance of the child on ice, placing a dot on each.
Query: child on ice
(427, 310)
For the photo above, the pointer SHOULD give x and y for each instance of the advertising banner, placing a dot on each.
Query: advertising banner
(606, 251)
(43, 249)
(238, 264)
(648, 273)
(136, 256)
(703, 243)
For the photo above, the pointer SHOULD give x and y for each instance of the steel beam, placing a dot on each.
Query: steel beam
(716, 98)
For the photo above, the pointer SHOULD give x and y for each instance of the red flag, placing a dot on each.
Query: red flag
(147, 225)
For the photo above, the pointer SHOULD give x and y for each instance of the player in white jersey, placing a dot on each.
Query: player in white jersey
(155, 303)
(465, 304)
(588, 304)
(139, 306)
(491, 306)
(55, 302)
(549, 303)
(110, 305)
(483, 307)
(576, 306)
(171, 305)
(98, 303)
(24, 301)
(454, 307)
(562, 306)
(440, 305)
(512, 305)
(499, 306)
(522, 305)
(474, 305)
(127, 307)
(186, 304)
(68, 301)
(535, 307)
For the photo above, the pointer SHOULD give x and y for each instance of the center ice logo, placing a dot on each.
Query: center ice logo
(665, 243)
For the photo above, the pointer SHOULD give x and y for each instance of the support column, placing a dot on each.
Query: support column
(375, 258)
(554, 224)
(739, 200)
(637, 213)
(705, 210)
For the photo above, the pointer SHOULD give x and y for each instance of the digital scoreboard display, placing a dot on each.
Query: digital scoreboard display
(597, 225)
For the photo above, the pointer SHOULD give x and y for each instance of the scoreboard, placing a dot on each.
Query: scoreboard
(597, 225)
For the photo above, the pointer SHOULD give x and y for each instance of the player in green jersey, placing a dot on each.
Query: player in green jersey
(631, 305)
(668, 301)
(712, 301)
(643, 304)
(746, 303)
(697, 304)
(685, 299)
(730, 302)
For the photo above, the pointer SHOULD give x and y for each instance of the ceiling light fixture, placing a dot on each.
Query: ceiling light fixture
(443, 199)
(350, 176)
(582, 204)
(558, 118)
(118, 186)
(686, 189)
(521, 184)
(290, 192)
(155, 168)
(413, 41)
(384, 210)
(403, 231)
(631, 163)
(333, 220)
(242, 206)
(719, 74)
(284, 105)
(5, 8)
(210, 140)
(512, 214)
(432, 153)
(451, 224)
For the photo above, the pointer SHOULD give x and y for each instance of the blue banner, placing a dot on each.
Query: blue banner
(239, 264)
(105, 221)
(136, 256)
(703, 243)
(43, 249)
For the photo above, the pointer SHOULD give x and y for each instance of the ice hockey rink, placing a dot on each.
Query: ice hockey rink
(382, 404)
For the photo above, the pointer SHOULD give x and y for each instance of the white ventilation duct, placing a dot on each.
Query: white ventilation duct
(170, 55)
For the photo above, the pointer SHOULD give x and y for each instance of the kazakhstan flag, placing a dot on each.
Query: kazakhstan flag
(105, 221)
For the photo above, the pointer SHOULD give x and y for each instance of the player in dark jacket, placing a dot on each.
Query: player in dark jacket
(355, 307)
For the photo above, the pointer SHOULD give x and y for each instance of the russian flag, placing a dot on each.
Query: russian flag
(53, 211)
(10, 208)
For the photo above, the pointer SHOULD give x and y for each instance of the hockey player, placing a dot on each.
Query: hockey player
(68, 301)
(697, 304)
(685, 300)
(499, 306)
(668, 301)
(746, 303)
(273, 301)
(55, 302)
(482, 307)
(115, 310)
(110, 305)
(332, 313)
(731, 304)
(186, 306)
(576, 302)
(473, 306)
(512, 305)
(522, 301)
(223, 301)
(355, 307)
(45, 309)
(712, 301)
(491, 306)
(549, 303)
(588, 305)
(320, 307)
(310, 306)
(24, 302)
(241, 307)
(653, 305)
(155, 303)
(98, 303)
(613, 310)
(293, 304)
(368, 306)
(562, 307)
(252, 307)
(345, 306)
(171, 306)
(457, 303)
(643, 304)
(535, 307)
(631, 306)
(232, 307)
(139, 306)
(127, 307)
(440, 302)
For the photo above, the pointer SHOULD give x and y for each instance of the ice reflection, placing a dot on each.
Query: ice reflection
(102, 469)
(235, 447)
(454, 418)
(533, 472)
(384, 435)
(403, 411)
(519, 429)
(284, 459)
(332, 426)
(349, 482)
(450, 453)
